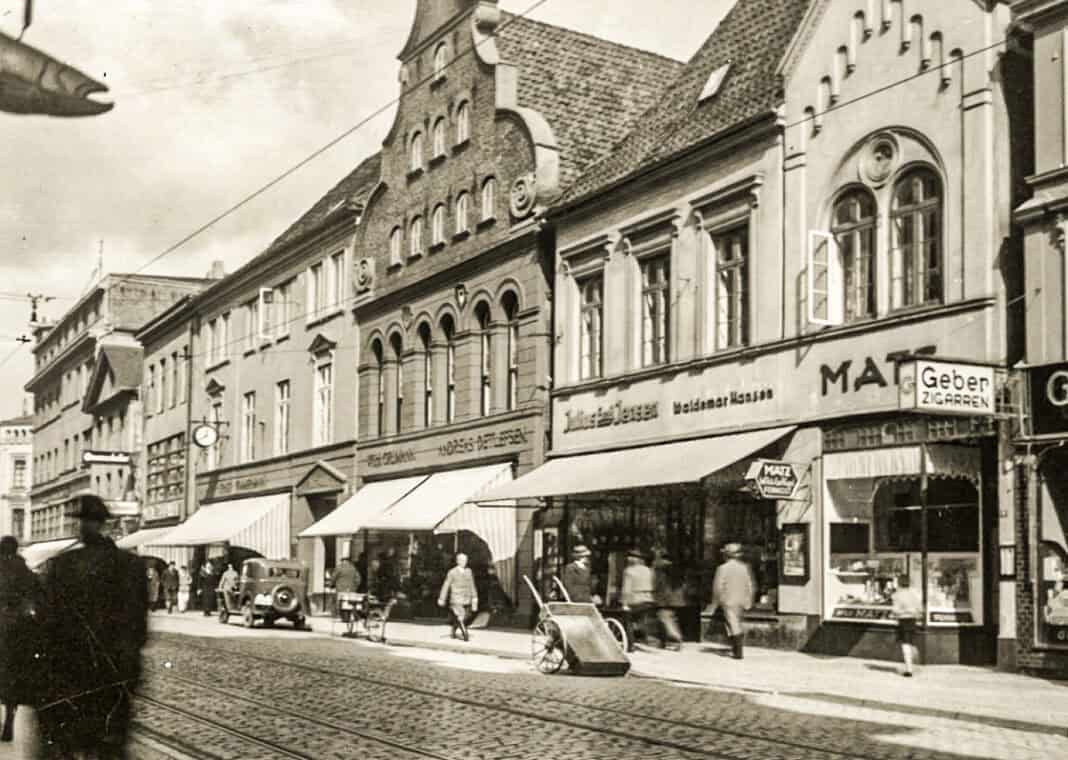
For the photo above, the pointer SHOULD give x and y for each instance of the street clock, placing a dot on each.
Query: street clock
(205, 436)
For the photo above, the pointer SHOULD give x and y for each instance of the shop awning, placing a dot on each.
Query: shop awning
(433, 503)
(363, 506)
(260, 523)
(143, 536)
(942, 460)
(39, 553)
(663, 464)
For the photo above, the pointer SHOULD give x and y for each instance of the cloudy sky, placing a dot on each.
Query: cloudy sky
(214, 99)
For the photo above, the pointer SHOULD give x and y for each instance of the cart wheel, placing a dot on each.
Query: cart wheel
(548, 647)
(224, 615)
(248, 617)
(619, 633)
(376, 626)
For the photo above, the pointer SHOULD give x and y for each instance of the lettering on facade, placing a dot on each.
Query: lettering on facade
(870, 374)
(862, 613)
(241, 484)
(391, 457)
(608, 416)
(497, 439)
(734, 398)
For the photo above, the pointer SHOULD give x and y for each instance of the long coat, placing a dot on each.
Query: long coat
(459, 587)
(96, 622)
(20, 603)
(346, 577)
(577, 582)
(732, 589)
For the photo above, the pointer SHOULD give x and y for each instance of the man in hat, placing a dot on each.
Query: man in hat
(96, 622)
(732, 592)
(577, 575)
(637, 593)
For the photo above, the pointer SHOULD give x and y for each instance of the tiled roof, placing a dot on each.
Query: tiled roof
(125, 363)
(752, 38)
(355, 187)
(590, 90)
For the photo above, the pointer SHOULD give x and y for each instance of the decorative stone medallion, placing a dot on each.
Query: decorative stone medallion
(879, 159)
(524, 191)
(365, 275)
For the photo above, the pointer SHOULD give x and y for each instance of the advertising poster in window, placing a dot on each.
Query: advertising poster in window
(953, 590)
(1051, 606)
(864, 586)
(795, 553)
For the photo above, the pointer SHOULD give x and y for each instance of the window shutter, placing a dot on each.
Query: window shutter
(825, 296)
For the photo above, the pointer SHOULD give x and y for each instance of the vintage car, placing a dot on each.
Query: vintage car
(269, 589)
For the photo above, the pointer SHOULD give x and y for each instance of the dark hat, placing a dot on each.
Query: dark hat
(91, 507)
(580, 551)
(636, 553)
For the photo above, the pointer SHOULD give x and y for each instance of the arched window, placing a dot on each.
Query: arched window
(439, 137)
(396, 239)
(510, 304)
(425, 342)
(854, 230)
(437, 225)
(485, 353)
(415, 237)
(416, 152)
(463, 123)
(441, 60)
(463, 203)
(448, 332)
(916, 257)
(489, 199)
(380, 387)
(398, 357)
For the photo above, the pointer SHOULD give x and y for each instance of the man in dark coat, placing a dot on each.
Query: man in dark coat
(577, 575)
(19, 602)
(170, 581)
(96, 622)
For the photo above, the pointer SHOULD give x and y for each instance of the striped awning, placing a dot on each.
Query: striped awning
(260, 523)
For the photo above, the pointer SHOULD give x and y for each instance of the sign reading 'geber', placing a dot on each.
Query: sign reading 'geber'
(947, 387)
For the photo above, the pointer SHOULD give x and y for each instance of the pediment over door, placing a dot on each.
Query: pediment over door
(321, 479)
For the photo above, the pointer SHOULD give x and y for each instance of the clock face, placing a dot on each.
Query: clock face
(205, 436)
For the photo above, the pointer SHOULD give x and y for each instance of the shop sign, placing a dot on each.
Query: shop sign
(951, 616)
(390, 457)
(862, 613)
(772, 479)
(1049, 398)
(241, 484)
(473, 444)
(611, 415)
(947, 387)
(106, 457)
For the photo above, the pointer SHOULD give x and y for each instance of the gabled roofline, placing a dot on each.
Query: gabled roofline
(799, 43)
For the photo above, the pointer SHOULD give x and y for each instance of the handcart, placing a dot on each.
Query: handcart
(575, 634)
(363, 615)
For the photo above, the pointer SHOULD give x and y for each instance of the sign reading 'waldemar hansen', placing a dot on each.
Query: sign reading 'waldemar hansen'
(947, 387)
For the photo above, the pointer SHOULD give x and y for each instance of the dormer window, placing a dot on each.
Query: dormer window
(439, 138)
(463, 123)
(440, 61)
(416, 152)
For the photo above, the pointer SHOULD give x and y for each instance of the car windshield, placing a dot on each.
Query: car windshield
(284, 572)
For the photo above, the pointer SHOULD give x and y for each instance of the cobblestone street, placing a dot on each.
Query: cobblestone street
(283, 694)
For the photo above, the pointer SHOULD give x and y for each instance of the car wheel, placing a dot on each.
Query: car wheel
(300, 623)
(285, 600)
(248, 617)
(268, 622)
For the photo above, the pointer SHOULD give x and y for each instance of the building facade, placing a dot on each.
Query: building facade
(742, 292)
(273, 379)
(16, 477)
(87, 408)
(1037, 558)
(497, 115)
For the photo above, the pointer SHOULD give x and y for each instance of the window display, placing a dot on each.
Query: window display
(880, 530)
(1052, 603)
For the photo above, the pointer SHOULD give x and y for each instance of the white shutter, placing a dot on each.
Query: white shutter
(825, 297)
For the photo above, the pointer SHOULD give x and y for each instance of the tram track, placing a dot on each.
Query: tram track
(610, 725)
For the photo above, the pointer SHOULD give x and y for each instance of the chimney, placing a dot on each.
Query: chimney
(217, 271)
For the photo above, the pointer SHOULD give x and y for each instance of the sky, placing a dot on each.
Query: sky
(213, 100)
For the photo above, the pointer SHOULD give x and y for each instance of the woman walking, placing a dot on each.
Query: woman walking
(19, 597)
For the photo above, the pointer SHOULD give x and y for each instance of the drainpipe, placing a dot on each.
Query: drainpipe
(190, 474)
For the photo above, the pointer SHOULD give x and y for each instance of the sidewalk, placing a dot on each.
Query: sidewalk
(956, 692)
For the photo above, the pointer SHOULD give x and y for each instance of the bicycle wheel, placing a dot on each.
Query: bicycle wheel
(548, 647)
(619, 633)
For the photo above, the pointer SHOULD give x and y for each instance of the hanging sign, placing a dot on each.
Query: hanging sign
(772, 479)
(106, 457)
(947, 388)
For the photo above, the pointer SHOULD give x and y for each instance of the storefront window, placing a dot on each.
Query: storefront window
(1052, 604)
(877, 535)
